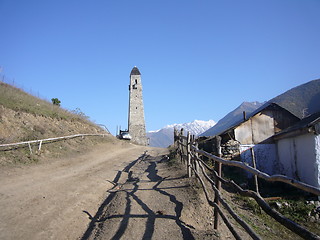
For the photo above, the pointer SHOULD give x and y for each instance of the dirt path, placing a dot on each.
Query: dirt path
(156, 202)
(47, 201)
(117, 191)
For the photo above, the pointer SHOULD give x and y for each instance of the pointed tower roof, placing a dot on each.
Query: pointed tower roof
(135, 71)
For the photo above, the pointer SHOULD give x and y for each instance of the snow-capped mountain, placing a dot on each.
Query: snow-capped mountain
(164, 136)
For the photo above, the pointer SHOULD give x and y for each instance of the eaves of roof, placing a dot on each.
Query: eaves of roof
(306, 125)
(260, 109)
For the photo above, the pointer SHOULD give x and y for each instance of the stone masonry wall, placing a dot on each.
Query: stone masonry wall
(136, 125)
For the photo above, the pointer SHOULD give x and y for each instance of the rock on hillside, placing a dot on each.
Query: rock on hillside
(164, 136)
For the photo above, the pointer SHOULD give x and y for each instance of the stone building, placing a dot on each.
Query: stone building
(298, 150)
(252, 130)
(136, 121)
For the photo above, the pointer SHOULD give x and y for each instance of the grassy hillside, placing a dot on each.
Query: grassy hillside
(20, 101)
(24, 117)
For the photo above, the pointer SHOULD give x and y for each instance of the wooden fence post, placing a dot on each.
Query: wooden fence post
(176, 137)
(189, 154)
(40, 144)
(30, 149)
(180, 145)
(175, 141)
(217, 168)
(196, 163)
(181, 132)
(255, 167)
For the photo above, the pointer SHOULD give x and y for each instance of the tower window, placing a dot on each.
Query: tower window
(136, 81)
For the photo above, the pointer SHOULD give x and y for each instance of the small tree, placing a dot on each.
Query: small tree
(56, 101)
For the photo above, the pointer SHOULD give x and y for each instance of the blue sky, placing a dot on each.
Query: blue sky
(198, 59)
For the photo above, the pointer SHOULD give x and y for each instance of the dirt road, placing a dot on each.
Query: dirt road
(51, 200)
(156, 202)
(116, 191)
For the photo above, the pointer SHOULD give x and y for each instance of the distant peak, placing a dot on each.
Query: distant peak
(191, 125)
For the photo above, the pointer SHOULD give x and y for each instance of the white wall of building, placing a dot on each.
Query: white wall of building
(265, 155)
(317, 163)
(299, 158)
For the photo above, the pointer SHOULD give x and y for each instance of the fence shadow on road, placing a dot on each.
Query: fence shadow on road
(130, 195)
(95, 219)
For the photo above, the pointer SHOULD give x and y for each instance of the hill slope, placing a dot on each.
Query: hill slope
(24, 117)
(302, 100)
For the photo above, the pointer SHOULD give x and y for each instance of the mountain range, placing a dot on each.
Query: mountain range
(164, 136)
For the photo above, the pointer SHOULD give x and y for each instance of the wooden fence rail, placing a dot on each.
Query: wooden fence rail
(9, 146)
(189, 154)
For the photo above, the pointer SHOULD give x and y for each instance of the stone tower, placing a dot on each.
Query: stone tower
(136, 123)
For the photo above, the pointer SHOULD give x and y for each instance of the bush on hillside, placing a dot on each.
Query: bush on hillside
(55, 101)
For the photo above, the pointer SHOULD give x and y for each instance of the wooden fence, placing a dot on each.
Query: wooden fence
(10, 146)
(189, 153)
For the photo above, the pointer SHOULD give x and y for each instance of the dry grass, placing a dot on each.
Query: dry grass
(20, 101)
(33, 118)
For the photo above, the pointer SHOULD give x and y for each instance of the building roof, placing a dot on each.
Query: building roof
(135, 71)
(267, 105)
(308, 124)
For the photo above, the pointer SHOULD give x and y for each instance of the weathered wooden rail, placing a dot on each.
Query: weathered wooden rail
(189, 153)
(10, 146)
